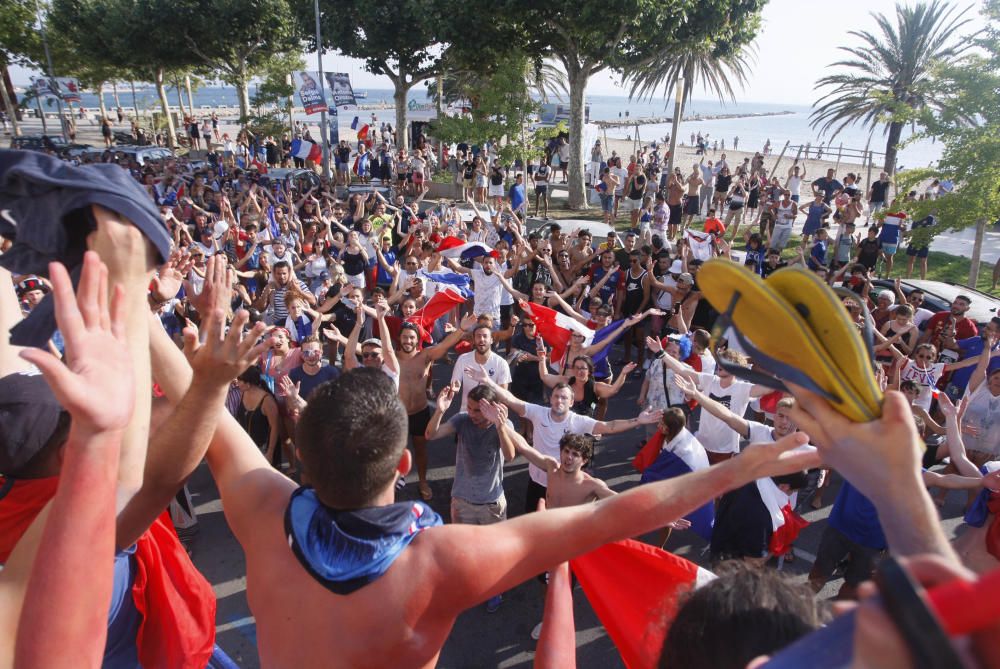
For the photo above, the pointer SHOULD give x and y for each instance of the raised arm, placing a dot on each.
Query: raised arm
(690, 390)
(434, 429)
(606, 390)
(548, 379)
(979, 374)
(388, 352)
(647, 417)
(351, 350)
(510, 441)
(676, 366)
(479, 375)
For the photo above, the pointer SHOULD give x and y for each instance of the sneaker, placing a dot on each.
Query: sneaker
(536, 633)
(493, 604)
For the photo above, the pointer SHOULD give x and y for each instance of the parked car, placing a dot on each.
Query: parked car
(301, 179)
(571, 228)
(38, 143)
(141, 154)
(938, 296)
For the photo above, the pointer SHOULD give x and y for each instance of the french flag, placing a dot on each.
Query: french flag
(460, 283)
(785, 523)
(436, 307)
(556, 328)
(306, 150)
(455, 247)
(683, 454)
(634, 589)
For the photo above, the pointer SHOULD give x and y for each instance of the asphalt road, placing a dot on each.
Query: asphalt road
(482, 640)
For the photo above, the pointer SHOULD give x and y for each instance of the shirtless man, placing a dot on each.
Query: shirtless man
(352, 439)
(568, 485)
(415, 366)
(693, 204)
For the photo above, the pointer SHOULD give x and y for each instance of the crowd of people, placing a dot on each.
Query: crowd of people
(313, 320)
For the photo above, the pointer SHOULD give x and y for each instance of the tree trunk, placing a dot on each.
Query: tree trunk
(114, 92)
(187, 84)
(180, 98)
(100, 100)
(135, 104)
(892, 146)
(977, 252)
(401, 88)
(577, 189)
(243, 90)
(165, 105)
(8, 103)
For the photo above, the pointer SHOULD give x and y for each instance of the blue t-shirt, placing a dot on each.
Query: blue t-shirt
(925, 222)
(889, 234)
(516, 196)
(610, 288)
(120, 650)
(757, 256)
(857, 519)
(390, 258)
(817, 257)
(828, 186)
(969, 348)
(309, 382)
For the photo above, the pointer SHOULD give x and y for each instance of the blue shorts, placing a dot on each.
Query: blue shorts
(607, 202)
(917, 251)
(889, 249)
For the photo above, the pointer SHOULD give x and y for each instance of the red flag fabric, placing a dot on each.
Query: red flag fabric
(363, 131)
(634, 588)
(769, 402)
(23, 501)
(782, 538)
(555, 328)
(993, 533)
(649, 452)
(176, 602)
(315, 153)
(436, 307)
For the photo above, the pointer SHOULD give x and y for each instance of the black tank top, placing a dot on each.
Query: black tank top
(588, 404)
(254, 422)
(638, 188)
(633, 293)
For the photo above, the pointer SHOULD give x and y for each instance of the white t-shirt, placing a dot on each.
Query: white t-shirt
(760, 433)
(983, 413)
(496, 366)
(708, 363)
(925, 378)
(715, 435)
(622, 175)
(487, 293)
(548, 432)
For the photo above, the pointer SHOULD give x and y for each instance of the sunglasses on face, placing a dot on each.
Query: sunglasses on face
(371, 354)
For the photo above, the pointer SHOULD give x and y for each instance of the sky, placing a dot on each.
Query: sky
(794, 47)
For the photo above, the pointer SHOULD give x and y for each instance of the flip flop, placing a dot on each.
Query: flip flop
(824, 311)
(781, 339)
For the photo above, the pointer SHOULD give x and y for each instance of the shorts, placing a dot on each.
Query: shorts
(834, 546)
(635, 205)
(342, 167)
(482, 182)
(534, 493)
(692, 205)
(889, 249)
(467, 513)
(541, 190)
(795, 197)
(607, 202)
(467, 183)
(875, 206)
(715, 458)
(496, 190)
(780, 236)
(417, 422)
(418, 177)
(917, 251)
(356, 280)
(675, 214)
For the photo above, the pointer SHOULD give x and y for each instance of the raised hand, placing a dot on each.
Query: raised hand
(629, 368)
(477, 373)
(96, 384)
(495, 412)
(685, 386)
(650, 416)
(445, 397)
(289, 390)
(679, 524)
(948, 407)
(167, 283)
(653, 344)
(217, 291)
(222, 357)
(468, 322)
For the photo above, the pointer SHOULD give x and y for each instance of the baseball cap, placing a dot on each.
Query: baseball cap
(685, 278)
(29, 416)
(373, 341)
(30, 284)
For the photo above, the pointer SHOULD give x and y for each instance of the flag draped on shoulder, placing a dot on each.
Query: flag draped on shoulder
(436, 307)
(785, 523)
(634, 589)
(460, 283)
(659, 460)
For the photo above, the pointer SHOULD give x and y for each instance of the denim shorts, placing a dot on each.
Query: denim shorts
(607, 202)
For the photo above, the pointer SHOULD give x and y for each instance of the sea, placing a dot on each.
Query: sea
(789, 122)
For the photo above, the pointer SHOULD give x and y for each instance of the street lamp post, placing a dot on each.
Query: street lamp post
(322, 90)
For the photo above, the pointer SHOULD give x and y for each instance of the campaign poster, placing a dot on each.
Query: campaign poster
(334, 121)
(310, 94)
(341, 91)
(43, 87)
(69, 89)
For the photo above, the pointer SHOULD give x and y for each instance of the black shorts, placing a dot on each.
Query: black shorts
(691, 205)
(917, 251)
(541, 190)
(417, 422)
(675, 214)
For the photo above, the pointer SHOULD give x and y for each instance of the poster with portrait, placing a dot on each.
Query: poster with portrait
(310, 94)
(341, 92)
(334, 120)
(42, 87)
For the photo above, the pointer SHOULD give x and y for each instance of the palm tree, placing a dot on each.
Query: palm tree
(699, 63)
(890, 72)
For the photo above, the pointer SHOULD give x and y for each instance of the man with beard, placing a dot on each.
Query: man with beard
(551, 423)
(414, 371)
(372, 348)
(945, 327)
(488, 284)
(493, 366)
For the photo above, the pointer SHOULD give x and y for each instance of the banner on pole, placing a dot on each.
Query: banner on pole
(340, 89)
(43, 87)
(334, 122)
(69, 89)
(310, 93)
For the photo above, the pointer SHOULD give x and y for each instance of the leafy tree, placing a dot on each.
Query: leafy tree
(887, 76)
(19, 41)
(253, 32)
(588, 36)
(970, 159)
(403, 40)
(268, 116)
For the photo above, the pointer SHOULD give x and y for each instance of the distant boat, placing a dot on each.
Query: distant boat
(361, 95)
